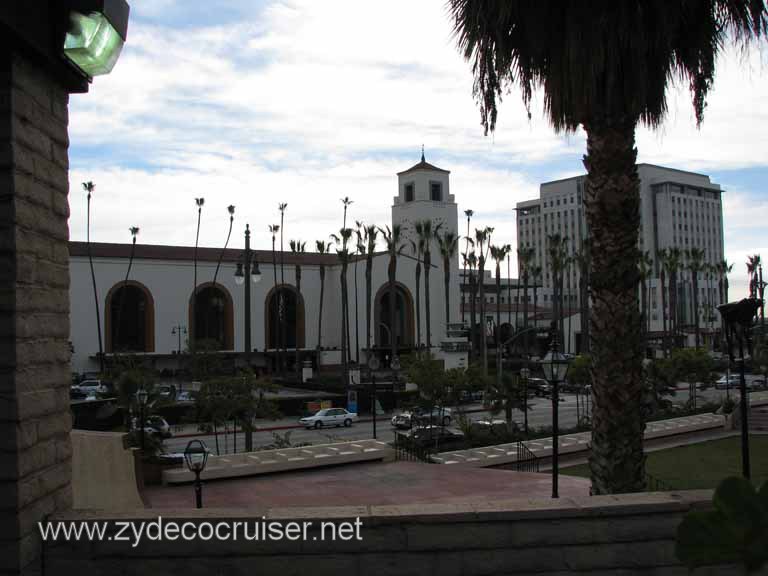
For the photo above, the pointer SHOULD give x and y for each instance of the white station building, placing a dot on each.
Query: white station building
(151, 313)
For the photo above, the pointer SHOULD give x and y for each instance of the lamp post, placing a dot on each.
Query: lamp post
(196, 457)
(737, 322)
(373, 365)
(179, 329)
(525, 373)
(555, 367)
(251, 266)
(141, 398)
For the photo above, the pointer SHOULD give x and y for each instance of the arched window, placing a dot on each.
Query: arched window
(214, 318)
(129, 318)
(404, 325)
(285, 318)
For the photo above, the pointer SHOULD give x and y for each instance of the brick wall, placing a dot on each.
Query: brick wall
(35, 449)
(604, 535)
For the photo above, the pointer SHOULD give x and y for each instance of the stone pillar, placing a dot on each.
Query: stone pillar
(35, 448)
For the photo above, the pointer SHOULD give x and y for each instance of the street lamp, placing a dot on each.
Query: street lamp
(141, 398)
(525, 373)
(555, 367)
(248, 266)
(196, 457)
(373, 365)
(737, 322)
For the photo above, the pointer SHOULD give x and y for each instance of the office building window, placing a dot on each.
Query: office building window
(409, 192)
(436, 191)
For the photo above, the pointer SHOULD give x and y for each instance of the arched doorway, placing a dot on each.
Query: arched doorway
(213, 323)
(404, 324)
(284, 309)
(129, 322)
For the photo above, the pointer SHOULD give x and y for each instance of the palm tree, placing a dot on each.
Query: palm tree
(417, 247)
(298, 248)
(536, 272)
(499, 253)
(199, 202)
(524, 260)
(695, 266)
(274, 229)
(646, 268)
(606, 82)
(360, 252)
(345, 317)
(90, 187)
(342, 241)
(281, 328)
(509, 288)
(370, 235)
(483, 238)
(582, 261)
(468, 214)
(673, 263)
(394, 248)
(471, 260)
(448, 243)
(134, 230)
(429, 234)
(558, 256)
(322, 248)
(231, 210)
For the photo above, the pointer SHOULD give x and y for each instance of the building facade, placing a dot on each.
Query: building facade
(678, 209)
(151, 312)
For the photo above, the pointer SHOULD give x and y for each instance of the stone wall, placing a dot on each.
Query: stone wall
(608, 535)
(34, 309)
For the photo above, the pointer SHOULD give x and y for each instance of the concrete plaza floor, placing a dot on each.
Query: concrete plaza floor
(367, 485)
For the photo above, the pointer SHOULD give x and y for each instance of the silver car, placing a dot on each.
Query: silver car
(329, 417)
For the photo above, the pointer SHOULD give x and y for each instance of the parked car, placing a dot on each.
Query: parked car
(91, 387)
(184, 396)
(329, 417)
(166, 391)
(159, 425)
(422, 416)
(432, 433)
(725, 382)
(490, 426)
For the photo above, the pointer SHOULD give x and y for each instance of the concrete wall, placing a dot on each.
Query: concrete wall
(103, 472)
(34, 308)
(608, 535)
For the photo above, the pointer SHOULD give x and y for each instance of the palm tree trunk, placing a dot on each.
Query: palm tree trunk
(509, 291)
(357, 321)
(277, 308)
(617, 460)
(320, 316)
(447, 287)
(498, 326)
(93, 280)
(368, 288)
(418, 306)
(116, 328)
(298, 350)
(427, 312)
(344, 331)
(392, 328)
(472, 311)
(282, 352)
(483, 336)
(665, 338)
(695, 287)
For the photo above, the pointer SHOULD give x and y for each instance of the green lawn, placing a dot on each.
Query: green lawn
(701, 465)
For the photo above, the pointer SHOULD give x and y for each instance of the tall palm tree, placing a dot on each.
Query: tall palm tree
(370, 235)
(417, 247)
(298, 248)
(430, 233)
(360, 252)
(392, 239)
(536, 272)
(346, 202)
(646, 268)
(695, 266)
(472, 263)
(448, 243)
(557, 252)
(673, 264)
(468, 214)
(322, 248)
(231, 210)
(605, 82)
(342, 249)
(509, 288)
(199, 202)
(89, 187)
(282, 352)
(582, 262)
(524, 260)
(274, 229)
(483, 239)
(134, 230)
(499, 253)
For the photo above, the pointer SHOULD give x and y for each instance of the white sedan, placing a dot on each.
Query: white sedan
(329, 417)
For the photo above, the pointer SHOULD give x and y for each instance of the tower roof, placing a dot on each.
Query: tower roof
(423, 165)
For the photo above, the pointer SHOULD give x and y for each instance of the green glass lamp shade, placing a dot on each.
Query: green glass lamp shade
(92, 44)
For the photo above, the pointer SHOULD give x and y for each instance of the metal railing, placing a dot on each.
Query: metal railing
(409, 450)
(526, 461)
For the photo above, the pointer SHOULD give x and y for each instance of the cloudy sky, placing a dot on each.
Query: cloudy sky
(257, 102)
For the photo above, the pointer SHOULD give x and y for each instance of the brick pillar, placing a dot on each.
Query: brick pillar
(35, 449)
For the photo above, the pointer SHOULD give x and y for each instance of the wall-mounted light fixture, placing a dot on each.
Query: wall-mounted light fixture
(96, 34)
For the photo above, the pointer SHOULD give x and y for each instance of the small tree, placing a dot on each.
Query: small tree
(693, 366)
(506, 395)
